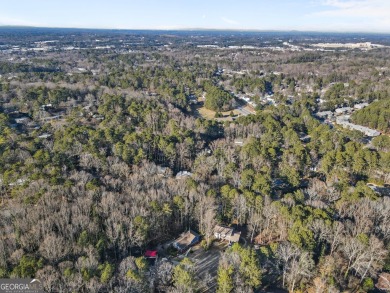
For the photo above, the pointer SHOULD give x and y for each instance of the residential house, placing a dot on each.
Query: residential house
(226, 233)
(186, 240)
(324, 114)
(344, 110)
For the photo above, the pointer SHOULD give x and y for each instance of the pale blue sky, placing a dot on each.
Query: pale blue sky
(319, 15)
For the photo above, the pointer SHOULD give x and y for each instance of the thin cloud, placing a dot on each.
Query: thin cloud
(6, 20)
(343, 4)
(229, 21)
(356, 8)
(355, 15)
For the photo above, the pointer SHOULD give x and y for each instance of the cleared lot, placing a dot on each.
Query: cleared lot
(206, 264)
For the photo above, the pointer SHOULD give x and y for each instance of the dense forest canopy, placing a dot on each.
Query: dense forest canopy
(107, 153)
(376, 115)
(217, 99)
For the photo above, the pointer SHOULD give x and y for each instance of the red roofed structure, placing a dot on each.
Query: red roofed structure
(151, 254)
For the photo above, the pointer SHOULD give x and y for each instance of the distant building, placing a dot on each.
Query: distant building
(48, 113)
(360, 106)
(324, 114)
(226, 233)
(186, 240)
(44, 135)
(270, 99)
(163, 171)
(369, 132)
(183, 174)
(320, 101)
(18, 182)
(344, 110)
(46, 107)
(51, 118)
(239, 141)
(305, 138)
(344, 121)
(98, 117)
(278, 183)
(192, 100)
(22, 120)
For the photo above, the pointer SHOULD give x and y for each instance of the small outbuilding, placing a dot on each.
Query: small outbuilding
(151, 254)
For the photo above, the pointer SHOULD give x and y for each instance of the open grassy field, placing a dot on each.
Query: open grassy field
(206, 113)
(210, 114)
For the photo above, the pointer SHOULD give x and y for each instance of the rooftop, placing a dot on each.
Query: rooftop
(361, 106)
(183, 174)
(324, 113)
(343, 109)
(235, 237)
(223, 230)
(151, 253)
(186, 239)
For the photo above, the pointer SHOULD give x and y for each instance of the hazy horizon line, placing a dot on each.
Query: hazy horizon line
(199, 29)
